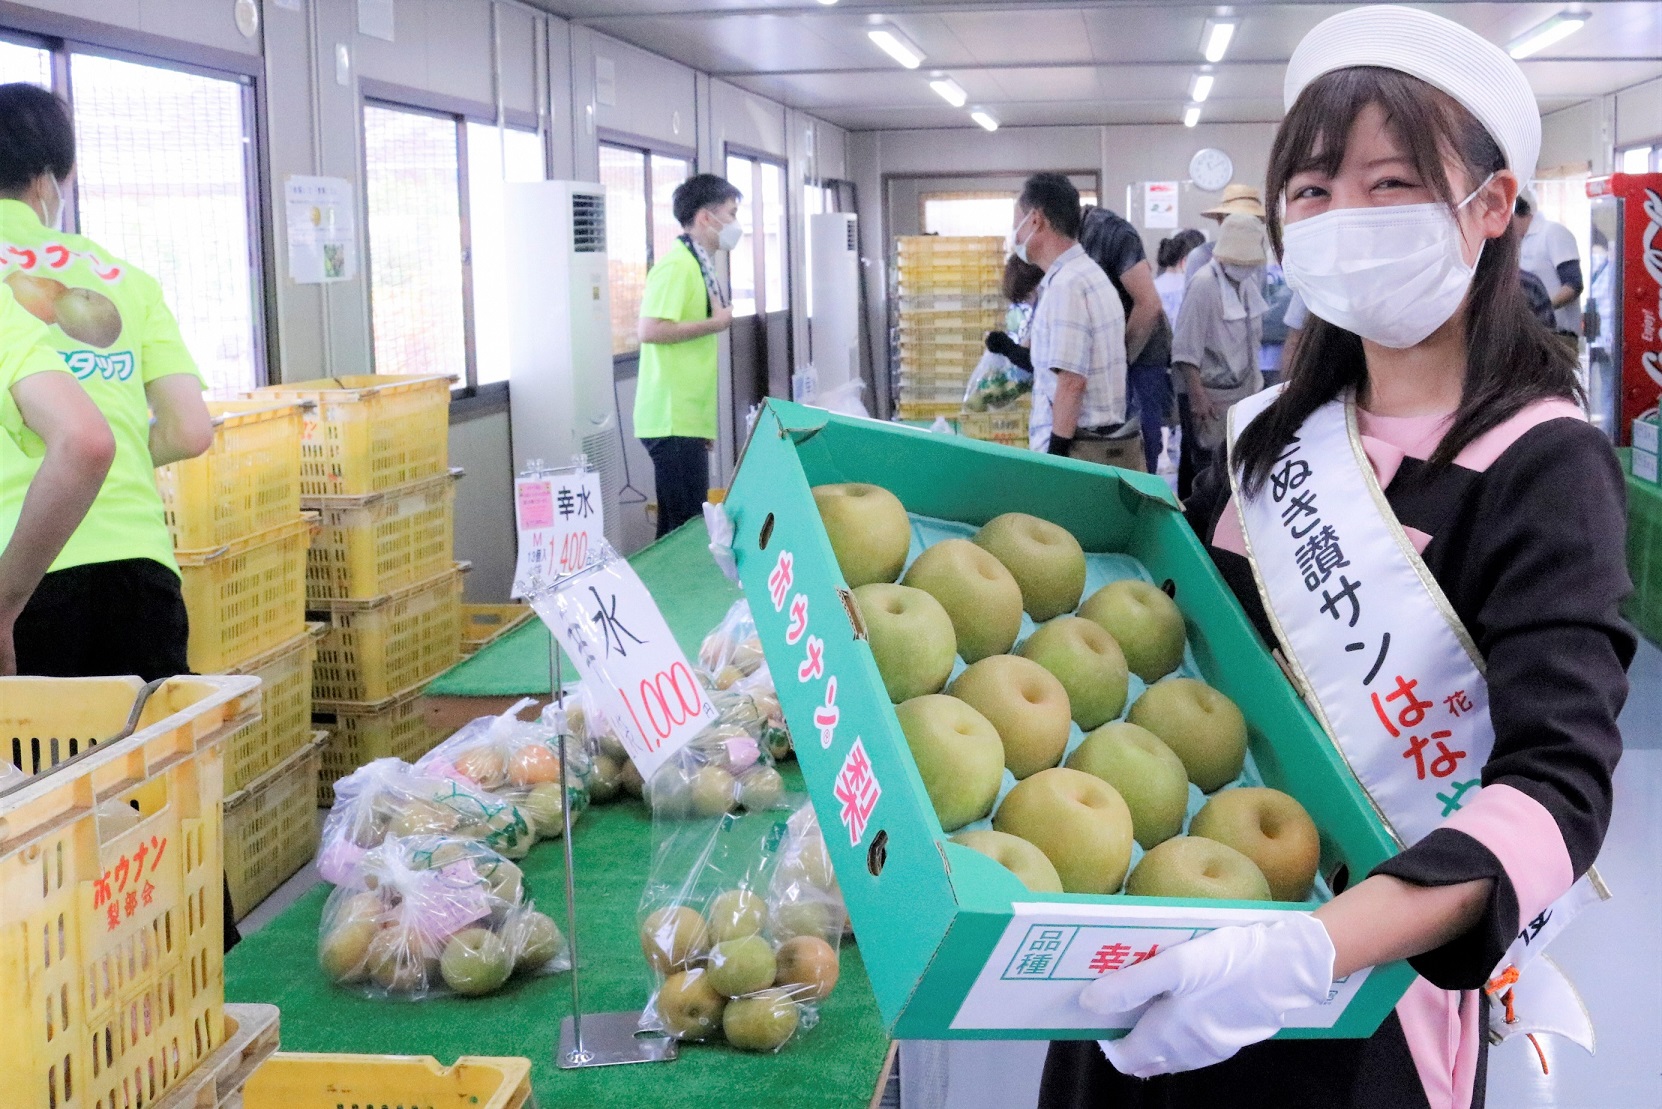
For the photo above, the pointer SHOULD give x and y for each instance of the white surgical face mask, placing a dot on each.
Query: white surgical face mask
(729, 235)
(1239, 273)
(53, 217)
(1018, 246)
(1392, 275)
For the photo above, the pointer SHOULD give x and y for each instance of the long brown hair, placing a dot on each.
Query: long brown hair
(1511, 358)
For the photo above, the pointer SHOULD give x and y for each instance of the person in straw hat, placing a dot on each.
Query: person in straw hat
(1238, 199)
(1425, 524)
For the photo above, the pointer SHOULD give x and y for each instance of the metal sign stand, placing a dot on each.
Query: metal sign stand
(595, 1039)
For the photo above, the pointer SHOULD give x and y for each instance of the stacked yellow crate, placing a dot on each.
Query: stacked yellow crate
(241, 538)
(948, 289)
(382, 576)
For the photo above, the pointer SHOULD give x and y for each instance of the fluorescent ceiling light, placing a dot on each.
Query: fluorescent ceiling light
(950, 91)
(896, 46)
(828, 3)
(1214, 41)
(1191, 115)
(985, 119)
(1200, 87)
(1556, 29)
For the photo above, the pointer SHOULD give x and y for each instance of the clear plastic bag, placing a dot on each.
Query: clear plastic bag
(427, 915)
(995, 383)
(733, 650)
(609, 765)
(741, 927)
(390, 798)
(518, 761)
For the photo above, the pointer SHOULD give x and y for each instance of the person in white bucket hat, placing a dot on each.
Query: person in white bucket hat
(1423, 523)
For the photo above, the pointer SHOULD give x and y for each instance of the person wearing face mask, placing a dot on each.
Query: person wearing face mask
(1426, 471)
(107, 321)
(683, 309)
(1215, 347)
(1077, 337)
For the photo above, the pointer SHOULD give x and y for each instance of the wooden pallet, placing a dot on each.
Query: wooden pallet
(250, 1039)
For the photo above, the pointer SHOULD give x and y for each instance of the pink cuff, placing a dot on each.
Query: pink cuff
(1525, 838)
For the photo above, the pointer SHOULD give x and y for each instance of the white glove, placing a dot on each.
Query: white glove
(1214, 994)
(720, 527)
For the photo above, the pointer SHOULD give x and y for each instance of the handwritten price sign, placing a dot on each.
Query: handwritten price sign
(560, 520)
(612, 629)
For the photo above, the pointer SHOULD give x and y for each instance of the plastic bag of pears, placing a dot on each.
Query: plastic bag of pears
(518, 761)
(389, 797)
(426, 915)
(740, 925)
(732, 664)
(611, 775)
(733, 651)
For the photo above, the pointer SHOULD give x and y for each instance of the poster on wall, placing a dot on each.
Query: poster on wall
(1159, 204)
(322, 230)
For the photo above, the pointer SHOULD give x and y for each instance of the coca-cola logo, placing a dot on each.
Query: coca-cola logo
(1653, 254)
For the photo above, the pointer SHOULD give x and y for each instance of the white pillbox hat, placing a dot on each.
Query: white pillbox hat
(1478, 74)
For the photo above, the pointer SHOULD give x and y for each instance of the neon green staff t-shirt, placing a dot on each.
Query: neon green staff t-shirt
(676, 391)
(108, 324)
(23, 353)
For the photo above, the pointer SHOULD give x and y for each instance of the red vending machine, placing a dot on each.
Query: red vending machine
(1624, 300)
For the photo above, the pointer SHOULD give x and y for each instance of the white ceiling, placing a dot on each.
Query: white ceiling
(1039, 62)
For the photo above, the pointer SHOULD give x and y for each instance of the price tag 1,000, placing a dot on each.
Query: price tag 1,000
(610, 626)
(560, 519)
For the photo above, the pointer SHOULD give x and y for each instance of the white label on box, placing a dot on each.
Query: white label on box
(608, 623)
(1646, 432)
(1644, 465)
(560, 519)
(1049, 952)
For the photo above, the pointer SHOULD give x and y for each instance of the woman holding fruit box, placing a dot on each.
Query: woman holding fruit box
(1426, 525)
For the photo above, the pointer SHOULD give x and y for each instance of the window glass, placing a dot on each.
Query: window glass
(667, 172)
(741, 266)
(623, 172)
(162, 180)
(1636, 160)
(975, 213)
(25, 63)
(494, 156)
(415, 242)
(776, 277)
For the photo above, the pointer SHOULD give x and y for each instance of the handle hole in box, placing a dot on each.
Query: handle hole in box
(766, 532)
(877, 856)
(1339, 879)
(1169, 587)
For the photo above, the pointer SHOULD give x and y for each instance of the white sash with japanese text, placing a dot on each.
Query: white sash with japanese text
(1385, 663)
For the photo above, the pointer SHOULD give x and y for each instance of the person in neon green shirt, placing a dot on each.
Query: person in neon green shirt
(111, 603)
(683, 309)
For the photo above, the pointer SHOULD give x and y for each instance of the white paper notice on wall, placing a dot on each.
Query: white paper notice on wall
(1159, 204)
(605, 81)
(321, 229)
(375, 18)
(609, 625)
(560, 520)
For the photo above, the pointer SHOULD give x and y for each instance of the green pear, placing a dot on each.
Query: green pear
(1025, 703)
(736, 913)
(761, 1023)
(1201, 725)
(1080, 823)
(979, 595)
(1145, 772)
(1143, 621)
(869, 530)
(1016, 855)
(713, 791)
(911, 638)
(742, 966)
(1192, 867)
(673, 937)
(1271, 829)
(1046, 561)
(475, 962)
(1088, 663)
(958, 755)
(689, 1007)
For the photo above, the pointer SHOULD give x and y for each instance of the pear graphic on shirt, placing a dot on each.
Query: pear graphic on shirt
(85, 315)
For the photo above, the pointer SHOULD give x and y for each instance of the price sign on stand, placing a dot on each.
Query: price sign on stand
(560, 520)
(609, 625)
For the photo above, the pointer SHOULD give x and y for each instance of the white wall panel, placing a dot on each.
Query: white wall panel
(1639, 114)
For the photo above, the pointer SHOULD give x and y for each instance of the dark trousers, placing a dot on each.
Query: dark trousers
(109, 619)
(1192, 459)
(681, 473)
(1151, 397)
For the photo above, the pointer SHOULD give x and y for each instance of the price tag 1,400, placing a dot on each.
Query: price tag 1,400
(612, 629)
(560, 519)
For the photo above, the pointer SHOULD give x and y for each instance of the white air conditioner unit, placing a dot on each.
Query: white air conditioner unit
(834, 281)
(561, 396)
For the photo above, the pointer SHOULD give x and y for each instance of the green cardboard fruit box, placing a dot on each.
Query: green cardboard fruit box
(956, 946)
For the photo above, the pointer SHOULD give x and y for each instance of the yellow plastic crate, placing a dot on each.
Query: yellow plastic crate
(112, 933)
(950, 325)
(250, 1038)
(1007, 425)
(910, 247)
(271, 827)
(928, 410)
(361, 733)
(482, 624)
(991, 301)
(370, 546)
(246, 483)
(246, 598)
(286, 713)
(291, 1080)
(371, 650)
(369, 433)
